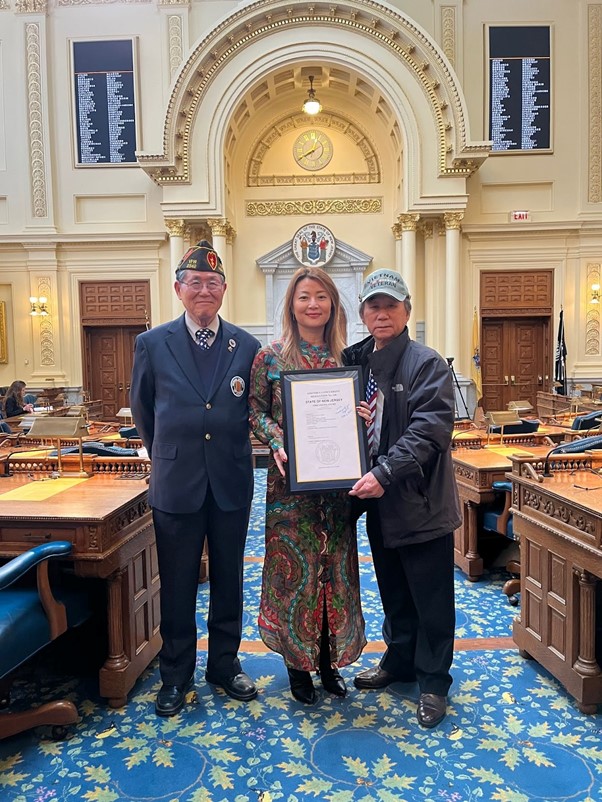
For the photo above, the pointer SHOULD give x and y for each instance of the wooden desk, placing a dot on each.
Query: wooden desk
(475, 472)
(109, 522)
(478, 438)
(559, 526)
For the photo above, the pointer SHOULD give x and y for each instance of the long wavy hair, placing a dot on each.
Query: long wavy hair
(335, 331)
(16, 391)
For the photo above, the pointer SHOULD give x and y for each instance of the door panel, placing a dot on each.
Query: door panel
(513, 360)
(109, 358)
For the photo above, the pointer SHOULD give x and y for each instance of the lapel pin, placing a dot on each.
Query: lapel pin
(231, 345)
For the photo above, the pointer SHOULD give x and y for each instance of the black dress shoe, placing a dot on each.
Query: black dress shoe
(302, 687)
(239, 687)
(332, 681)
(431, 709)
(374, 678)
(170, 699)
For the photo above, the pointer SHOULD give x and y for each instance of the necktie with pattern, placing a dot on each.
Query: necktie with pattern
(202, 338)
(371, 396)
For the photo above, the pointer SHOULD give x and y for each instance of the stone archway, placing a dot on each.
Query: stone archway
(379, 42)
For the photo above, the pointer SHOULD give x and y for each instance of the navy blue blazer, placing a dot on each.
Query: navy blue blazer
(194, 438)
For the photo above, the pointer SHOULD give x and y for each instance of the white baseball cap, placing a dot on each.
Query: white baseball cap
(385, 282)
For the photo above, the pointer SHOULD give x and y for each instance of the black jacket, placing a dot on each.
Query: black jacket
(414, 464)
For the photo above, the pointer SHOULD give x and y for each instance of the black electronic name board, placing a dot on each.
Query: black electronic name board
(105, 102)
(519, 87)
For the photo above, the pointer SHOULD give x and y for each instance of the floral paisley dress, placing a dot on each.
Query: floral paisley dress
(310, 542)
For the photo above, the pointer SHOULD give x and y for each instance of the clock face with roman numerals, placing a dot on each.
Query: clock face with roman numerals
(312, 149)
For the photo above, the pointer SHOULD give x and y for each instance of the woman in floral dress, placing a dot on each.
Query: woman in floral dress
(310, 608)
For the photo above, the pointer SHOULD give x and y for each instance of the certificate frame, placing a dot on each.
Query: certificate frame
(324, 437)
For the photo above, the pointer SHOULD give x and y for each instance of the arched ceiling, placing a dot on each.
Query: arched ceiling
(336, 88)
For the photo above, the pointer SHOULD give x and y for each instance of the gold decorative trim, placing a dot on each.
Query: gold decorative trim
(453, 220)
(3, 336)
(219, 226)
(408, 222)
(37, 158)
(175, 228)
(328, 121)
(258, 20)
(47, 357)
(594, 28)
(592, 321)
(4, 6)
(324, 206)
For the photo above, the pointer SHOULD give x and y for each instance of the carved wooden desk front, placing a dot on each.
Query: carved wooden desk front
(475, 472)
(109, 522)
(559, 521)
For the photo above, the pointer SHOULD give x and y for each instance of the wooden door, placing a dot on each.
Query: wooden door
(513, 360)
(109, 358)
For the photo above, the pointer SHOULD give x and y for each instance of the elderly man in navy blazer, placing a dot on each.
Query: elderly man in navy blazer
(189, 390)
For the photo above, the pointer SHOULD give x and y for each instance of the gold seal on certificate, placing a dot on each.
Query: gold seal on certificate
(324, 437)
(314, 244)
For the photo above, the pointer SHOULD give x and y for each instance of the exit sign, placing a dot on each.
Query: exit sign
(519, 216)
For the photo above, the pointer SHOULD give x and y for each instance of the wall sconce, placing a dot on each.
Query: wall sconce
(38, 305)
(311, 105)
(595, 294)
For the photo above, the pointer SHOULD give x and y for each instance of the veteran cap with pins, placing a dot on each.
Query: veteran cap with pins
(203, 258)
(385, 282)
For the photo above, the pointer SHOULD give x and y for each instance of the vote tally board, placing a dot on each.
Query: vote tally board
(519, 87)
(104, 92)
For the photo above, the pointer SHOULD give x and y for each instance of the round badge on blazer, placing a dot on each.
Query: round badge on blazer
(237, 385)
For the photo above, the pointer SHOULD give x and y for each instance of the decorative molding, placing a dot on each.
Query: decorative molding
(554, 508)
(453, 220)
(175, 35)
(319, 206)
(592, 320)
(47, 357)
(594, 28)
(4, 6)
(219, 226)
(3, 335)
(257, 21)
(37, 157)
(448, 33)
(408, 222)
(100, 2)
(185, 3)
(31, 6)
(397, 230)
(176, 228)
(327, 121)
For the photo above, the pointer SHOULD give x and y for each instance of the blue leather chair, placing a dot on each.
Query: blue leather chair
(498, 518)
(31, 616)
(591, 420)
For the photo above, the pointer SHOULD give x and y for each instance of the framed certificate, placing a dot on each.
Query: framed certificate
(324, 437)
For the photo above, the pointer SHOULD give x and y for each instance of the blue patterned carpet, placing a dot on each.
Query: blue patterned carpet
(512, 733)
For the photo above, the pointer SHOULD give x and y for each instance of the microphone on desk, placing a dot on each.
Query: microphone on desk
(574, 447)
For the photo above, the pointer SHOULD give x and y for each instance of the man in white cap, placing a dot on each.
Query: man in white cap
(409, 494)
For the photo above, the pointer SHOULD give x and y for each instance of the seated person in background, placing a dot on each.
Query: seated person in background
(14, 403)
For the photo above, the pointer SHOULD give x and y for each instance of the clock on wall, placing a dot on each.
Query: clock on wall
(312, 150)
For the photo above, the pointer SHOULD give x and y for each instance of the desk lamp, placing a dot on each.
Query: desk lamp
(56, 429)
(501, 418)
(521, 407)
(125, 413)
